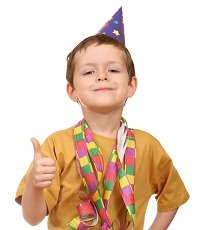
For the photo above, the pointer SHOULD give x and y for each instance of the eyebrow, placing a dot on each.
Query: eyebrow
(93, 64)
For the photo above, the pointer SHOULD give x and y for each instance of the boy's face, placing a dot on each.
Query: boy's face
(101, 81)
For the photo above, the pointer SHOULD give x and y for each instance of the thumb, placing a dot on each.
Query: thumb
(36, 147)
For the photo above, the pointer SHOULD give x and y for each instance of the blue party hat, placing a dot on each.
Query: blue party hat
(115, 27)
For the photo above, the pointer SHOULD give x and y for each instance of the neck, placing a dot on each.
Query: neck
(104, 124)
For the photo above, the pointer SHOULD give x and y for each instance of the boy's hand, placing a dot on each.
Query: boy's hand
(43, 169)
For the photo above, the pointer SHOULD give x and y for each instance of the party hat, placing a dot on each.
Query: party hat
(115, 27)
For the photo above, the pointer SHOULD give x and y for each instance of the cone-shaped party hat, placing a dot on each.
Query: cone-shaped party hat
(115, 27)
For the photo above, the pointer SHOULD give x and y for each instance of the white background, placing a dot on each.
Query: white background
(35, 38)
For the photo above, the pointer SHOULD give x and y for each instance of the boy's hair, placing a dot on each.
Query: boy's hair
(98, 39)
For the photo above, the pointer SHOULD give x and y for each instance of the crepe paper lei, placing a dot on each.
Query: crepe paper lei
(90, 165)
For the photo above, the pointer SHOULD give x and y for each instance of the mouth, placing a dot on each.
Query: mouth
(103, 89)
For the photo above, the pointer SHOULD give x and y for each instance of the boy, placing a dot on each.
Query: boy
(88, 176)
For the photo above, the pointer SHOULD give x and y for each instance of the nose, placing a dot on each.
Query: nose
(102, 77)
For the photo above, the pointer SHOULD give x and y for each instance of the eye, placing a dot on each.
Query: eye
(113, 71)
(88, 72)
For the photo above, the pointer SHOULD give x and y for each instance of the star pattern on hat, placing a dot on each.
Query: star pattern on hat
(116, 32)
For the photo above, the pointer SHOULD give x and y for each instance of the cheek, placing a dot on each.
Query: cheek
(126, 90)
(78, 84)
(81, 91)
(75, 82)
(80, 88)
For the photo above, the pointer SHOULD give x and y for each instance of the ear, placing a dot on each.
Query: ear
(71, 93)
(132, 87)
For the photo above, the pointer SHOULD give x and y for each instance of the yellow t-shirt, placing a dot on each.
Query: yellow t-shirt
(155, 174)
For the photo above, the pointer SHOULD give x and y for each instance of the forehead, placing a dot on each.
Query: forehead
(100, 53)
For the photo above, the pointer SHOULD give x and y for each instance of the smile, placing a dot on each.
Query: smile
(103, 89)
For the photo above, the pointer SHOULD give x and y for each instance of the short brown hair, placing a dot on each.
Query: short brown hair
(97, 39)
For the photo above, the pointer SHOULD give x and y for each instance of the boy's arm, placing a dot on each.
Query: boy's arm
(40, 176)
(163, 220)
(33, 204)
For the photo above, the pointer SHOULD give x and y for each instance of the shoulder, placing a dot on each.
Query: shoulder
(60, 146)
(143, 137)
(60, 139)
(61, 134)
(149, 146)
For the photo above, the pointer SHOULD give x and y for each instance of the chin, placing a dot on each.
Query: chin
(103, 109)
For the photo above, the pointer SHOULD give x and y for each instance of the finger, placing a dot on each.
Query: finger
(47, 161)
(44, 180)
(37, 148)
(47, 177)
(47, 170)
(43, 184)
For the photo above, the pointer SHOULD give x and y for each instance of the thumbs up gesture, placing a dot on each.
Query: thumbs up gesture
(43, 169)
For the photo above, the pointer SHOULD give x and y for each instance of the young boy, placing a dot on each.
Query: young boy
(99, 174)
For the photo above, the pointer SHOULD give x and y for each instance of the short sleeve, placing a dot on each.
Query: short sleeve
(168, 185)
